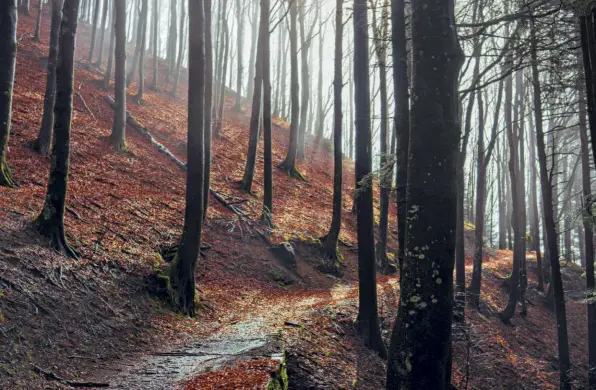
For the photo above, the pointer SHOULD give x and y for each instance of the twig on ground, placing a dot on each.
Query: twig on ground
(51, 376)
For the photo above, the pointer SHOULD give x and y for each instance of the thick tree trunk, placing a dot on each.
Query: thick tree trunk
(253, 140)
(402, 119)
(118, 136)
(208, 99)
(549, 224)
(38, 23)
(330, 257)
(421, 339)
(50, 222)
(368, 319)
(267, 216)
(588, 45)
(143, 33)
(8, 55)
(42, 143)
(184, 265)
(289, 163)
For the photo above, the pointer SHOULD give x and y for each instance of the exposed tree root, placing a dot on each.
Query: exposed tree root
(6, 179)
(384, 264)
(51, 376)
(331, 258)
(55, 233)
(291, 171)
(41, 147)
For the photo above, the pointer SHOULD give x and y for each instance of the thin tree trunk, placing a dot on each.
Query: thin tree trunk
(171, 49)
(108, 74)
(38, 23)
(267, 216)
(50, 221)
(44, 139)
(320, 124)
(239, 56)
(118, 136)
(138, 49)
(145, 23)
(8, 55)
(104, 26)
(93, 31)
(209, 61)
(253, 50)
(222, 89)
(155, 42)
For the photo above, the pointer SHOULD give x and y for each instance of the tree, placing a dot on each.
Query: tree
(118, 136)
(240, 63)
(181, 53)
(254, 23)
(172, 40)
(289, 163)
(38, 24)
(50, 222)
(182, 272)
(8, 55)
(368, 319)
(225, 47)
(104, 21)
(155, 44)
(305, 41)
(208, 102)
(402, 118)
(421, 339)
(94, 31)
(138, 49)
(267, 216)
(330, 254)
(108, 74)
(549, 221)
(42, 143)
(143, 34)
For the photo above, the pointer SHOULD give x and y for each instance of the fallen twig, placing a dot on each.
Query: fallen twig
(86, 106)
(51, 376)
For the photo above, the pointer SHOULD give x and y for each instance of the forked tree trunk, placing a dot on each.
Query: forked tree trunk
(50, 222)
(42, 143)
(367, 322)
(182, 273)
(8, 55)
(118, 136)
(421, 339)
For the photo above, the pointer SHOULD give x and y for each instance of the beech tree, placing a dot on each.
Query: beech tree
(182, 271)
(38, 24)
(208, 100)
(144, 22)
(94, 30)
(420, 347)
(118, 136)
(42, 143)
(368, 318)
(8, 56)
(103, 27)
(267, 216)
(50, 222)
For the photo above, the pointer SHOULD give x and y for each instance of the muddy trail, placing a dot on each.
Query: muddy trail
(249, 350)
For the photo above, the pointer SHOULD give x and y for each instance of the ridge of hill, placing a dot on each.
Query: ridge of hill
(93, 318)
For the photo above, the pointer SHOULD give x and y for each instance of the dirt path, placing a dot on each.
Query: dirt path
(256, 334)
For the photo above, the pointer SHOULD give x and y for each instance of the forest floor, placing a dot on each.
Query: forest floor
(95, 318)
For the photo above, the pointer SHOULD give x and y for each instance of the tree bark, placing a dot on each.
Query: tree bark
(184, 265)
(104, 20)
(108, 74)
(267, 216)
(143, 32)
(239, 56)
(138, 49)
(209, 61)
(8, 55)
(222, 84)
(368, 319)
(50, 222)
(38, 23)
(155, 42)
(253, 49)
(93, 30)
(421, 339)
(118, 136)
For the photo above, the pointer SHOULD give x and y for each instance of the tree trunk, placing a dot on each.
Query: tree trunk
(588, 45)
(239, 56)
(138, 49)
(368, 319)
(222, 83)
(155, 42)
(267, 216)
(320, 124)
(588, 258)
(330, 256)
(108, 74)
(93, 31)
(208, 99)
(278, 78)
(253, 140)
(282, 80)
(143, 33)
(118, 136)
(181, 47)
(289, 163)
(253, 49)
(50, 222)
(42, 143)
(8, 55)
(171, 49)
(549, 224)
(421, 339)
(184, 265)
(402, 119)
(104, 20)
(38, 23)
(305, 79)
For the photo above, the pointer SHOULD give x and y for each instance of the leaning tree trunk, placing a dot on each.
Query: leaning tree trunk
(42, 143)
(330, 251)
(143, 33)
(267, 216)
(94, 31)
(549, 224)
(253, 138)
(368, 319)
(38, 23)
(402, 118)
(182, 273)
(118, 136)
(50, 222)
(587, 222)
(289, 163)
(8, 56)
(421, 339)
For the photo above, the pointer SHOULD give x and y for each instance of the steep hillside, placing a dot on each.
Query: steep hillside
(95, 319)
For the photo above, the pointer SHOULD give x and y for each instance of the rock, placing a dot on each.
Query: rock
(286, 254)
